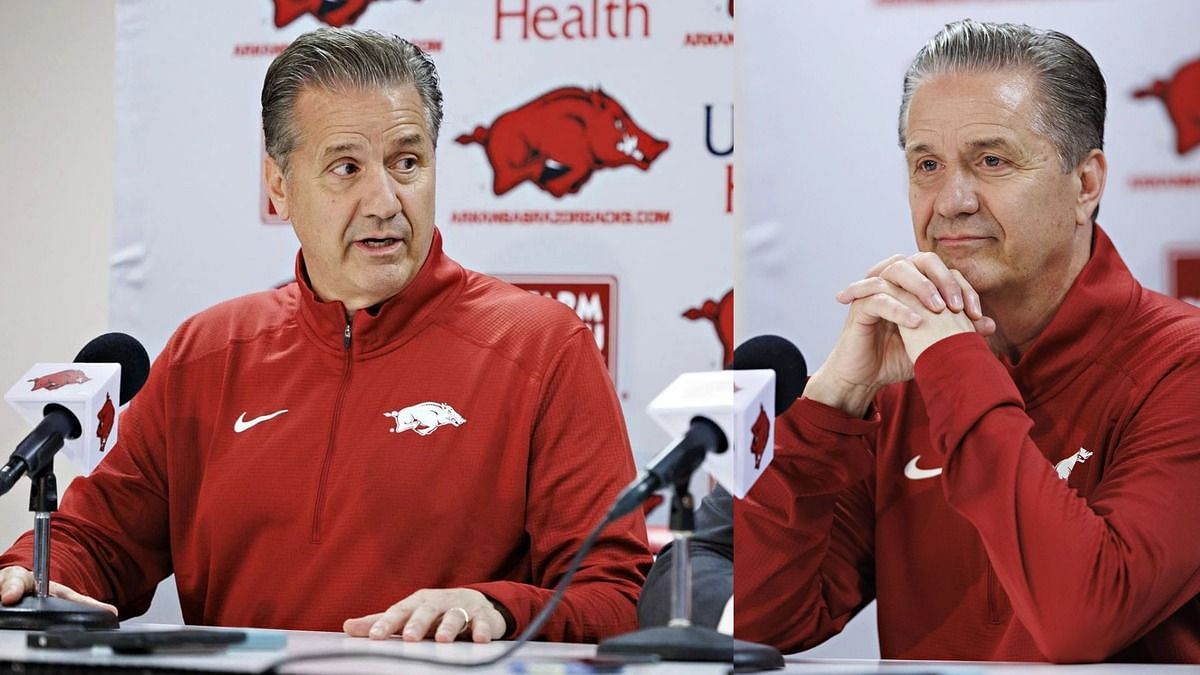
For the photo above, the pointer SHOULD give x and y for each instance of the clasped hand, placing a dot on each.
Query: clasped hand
(901, 307)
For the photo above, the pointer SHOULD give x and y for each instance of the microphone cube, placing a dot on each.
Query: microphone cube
(91, 391)
(741, 403)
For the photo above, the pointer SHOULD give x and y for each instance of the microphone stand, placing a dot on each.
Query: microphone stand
(39, 611)
(680, 639)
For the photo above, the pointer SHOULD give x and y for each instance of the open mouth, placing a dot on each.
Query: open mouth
(379, 243)
(629, 146)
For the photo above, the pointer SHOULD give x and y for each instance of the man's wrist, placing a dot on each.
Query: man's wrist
(849, 398)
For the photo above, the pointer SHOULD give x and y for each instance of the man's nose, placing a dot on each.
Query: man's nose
(382, 195)
(958, 194)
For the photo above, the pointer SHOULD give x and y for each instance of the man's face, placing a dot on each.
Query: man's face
(987, 191)
(359, 191)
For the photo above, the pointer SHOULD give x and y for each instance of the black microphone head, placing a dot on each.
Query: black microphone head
(125, 350)
(771, 352)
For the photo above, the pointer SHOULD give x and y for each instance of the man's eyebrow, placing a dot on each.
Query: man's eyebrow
(408, 140)
(990, 143)
(994, 142)
(339, 149)
(918, 149)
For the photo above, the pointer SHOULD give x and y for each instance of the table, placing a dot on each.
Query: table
(547, 657)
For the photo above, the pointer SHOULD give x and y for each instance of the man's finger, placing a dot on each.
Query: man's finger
(391, 622)
(936, 271)
(879, 266)
(487, 626)
(417, 626)
(360, 626)
(970, 298)
(59, 591)
(15, 583)
(454, 621)
(863, 288)
(888, 308)
(906, 275)
(985, 326)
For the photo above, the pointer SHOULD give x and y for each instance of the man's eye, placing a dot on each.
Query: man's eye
(927, 165)
(407, 164)
(345, 169)
(992, 161)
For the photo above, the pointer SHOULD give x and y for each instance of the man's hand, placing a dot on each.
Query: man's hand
(897, 293)
(451, 611)
(17, 582)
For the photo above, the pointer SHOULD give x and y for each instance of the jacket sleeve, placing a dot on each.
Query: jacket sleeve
(711, 556)
(805, 532)
(1086, 577)
(109, 539)
(580, 459)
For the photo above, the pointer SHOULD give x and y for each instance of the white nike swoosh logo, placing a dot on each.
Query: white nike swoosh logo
(913, 472)
(243, 424)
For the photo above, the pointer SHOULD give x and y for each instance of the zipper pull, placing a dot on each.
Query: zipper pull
(347, 336)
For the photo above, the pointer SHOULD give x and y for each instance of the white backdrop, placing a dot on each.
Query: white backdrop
(822, 192)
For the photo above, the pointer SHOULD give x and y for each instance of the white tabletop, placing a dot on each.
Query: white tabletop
(536, 658)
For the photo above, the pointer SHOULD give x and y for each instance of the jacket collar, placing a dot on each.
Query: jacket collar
(390, 323)
(1083, 326)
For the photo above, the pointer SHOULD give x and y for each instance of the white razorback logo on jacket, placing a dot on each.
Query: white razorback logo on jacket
(1064, 467)
(424, 418)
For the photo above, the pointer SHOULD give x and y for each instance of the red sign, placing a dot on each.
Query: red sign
(593, 298)
(1185, 275)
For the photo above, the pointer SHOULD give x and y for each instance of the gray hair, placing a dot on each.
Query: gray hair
(335, 58)
(1070, 95)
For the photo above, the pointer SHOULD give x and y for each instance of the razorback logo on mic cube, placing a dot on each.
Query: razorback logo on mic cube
(741, 403)
(91, 391)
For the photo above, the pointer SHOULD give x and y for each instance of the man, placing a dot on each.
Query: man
(1003, 446)
(390, 445)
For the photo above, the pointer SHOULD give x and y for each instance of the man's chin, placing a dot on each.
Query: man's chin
(384, 283)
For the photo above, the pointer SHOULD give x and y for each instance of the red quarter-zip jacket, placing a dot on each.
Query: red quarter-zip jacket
(294, 470)
(1044, 510)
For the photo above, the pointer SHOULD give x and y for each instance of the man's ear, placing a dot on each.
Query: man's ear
(276, 185)
(1092, 173)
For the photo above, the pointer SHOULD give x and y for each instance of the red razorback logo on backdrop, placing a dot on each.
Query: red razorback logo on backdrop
(557, 140)
(720, 313)
(336, 13)
(106, 417)
(62, 378)
(1181, 95)
(759, 431)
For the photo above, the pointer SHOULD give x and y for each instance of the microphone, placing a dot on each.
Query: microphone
(74, 405)
(724, 420)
